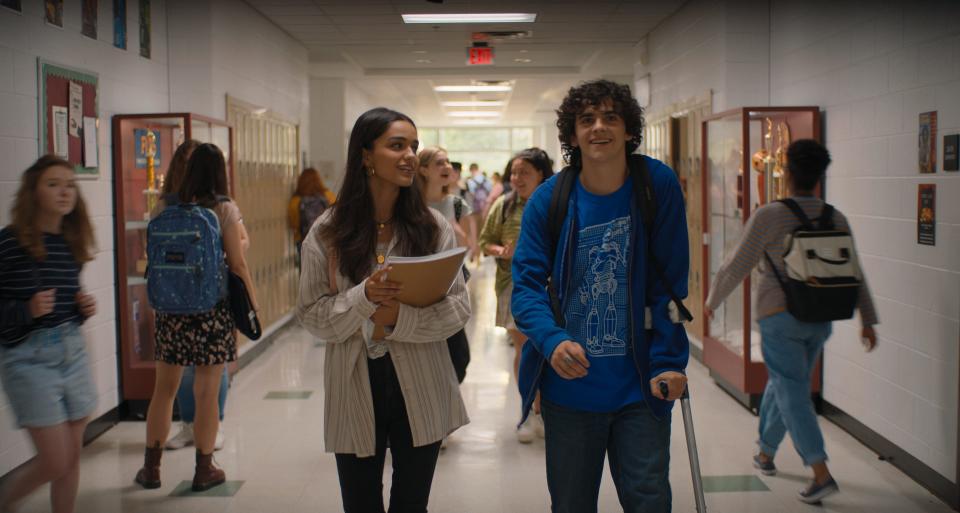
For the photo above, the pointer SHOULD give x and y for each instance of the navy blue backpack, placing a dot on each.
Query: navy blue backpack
(186, 270)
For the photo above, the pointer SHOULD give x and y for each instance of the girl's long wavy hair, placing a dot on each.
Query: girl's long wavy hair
(310, 183)
(205, 178)
(77, 230)
(178, 167)
(351, 233)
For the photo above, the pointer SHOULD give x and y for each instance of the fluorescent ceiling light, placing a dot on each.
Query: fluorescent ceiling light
(473, 89)
(474, 104)
(473, 114)
(491, 17)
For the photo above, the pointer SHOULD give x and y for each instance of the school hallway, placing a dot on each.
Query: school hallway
(275, 462)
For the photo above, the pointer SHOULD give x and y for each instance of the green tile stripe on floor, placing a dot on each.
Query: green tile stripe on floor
(721, 484)
(289, 394)
(228, 489)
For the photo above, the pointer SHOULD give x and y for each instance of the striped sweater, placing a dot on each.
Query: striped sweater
(766, 231)
(21, 277)
(417, 346)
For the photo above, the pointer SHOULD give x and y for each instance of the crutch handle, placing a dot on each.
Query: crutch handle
(665, 390)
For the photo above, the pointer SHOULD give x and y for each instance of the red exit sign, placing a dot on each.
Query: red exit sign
(479, 56)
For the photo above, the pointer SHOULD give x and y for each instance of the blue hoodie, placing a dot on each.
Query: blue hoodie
(665, 347)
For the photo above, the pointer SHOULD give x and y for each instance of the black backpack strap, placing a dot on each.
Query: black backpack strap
(457, 208)
(558, 206)
(798, 212)
(826, 217)
(647, 200)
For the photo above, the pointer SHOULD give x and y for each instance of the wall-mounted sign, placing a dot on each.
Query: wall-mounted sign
(927, 214)
(951, 147)
(479, 56)
(928, 142)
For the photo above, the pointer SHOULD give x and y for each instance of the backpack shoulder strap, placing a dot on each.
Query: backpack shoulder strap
(798, 212)
(826, 217)
(647, 200)
(558, 207)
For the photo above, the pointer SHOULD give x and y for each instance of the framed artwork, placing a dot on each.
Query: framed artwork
(951, 152)
(68, 110)
(928, 142)
(53, 12)
(13, 5)
(927, 214)
(120, 24)
(89, 9)
(145, 28)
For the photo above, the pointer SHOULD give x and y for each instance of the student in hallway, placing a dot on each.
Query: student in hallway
(388, 377)
(205, 340)
(310, 199)
(43, 356)
(596, 366)
(790, 347)
(184, 437)
(528, 169)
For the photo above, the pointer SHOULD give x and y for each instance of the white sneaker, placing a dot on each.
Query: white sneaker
(181, 439)
(218, 443)
(526, 431)
(538, 424)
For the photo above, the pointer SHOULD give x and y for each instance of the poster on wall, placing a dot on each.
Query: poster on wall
(141, 143)
(951, 147)
(90, 18)
(76, 108)
(928, 142)
(927, 214)
(54, 12)
(61, 141)
(120, 24)
(145, 28)
(13, 5)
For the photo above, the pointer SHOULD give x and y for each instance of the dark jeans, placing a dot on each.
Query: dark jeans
(636, 442)
(361, 479)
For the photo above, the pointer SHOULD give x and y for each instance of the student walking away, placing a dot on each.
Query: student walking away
(433, 181)
(311, 198)
(184, 437)
(388, 378)
(610, 234)
(496, 191)
(793, 310)
(194, 325)
(501, 232)
(478, 192)
(43, 358)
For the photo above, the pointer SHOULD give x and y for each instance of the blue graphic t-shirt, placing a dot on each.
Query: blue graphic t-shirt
(596, 307)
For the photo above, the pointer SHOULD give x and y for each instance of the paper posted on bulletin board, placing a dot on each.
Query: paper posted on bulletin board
(69, 116)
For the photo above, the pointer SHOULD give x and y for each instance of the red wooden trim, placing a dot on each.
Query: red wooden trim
(719, 358)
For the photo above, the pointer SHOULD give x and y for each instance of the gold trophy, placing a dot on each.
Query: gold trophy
(780, 158)
(762, 163)
(152, 194)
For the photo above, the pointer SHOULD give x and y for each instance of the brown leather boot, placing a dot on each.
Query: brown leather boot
(149, 476)
(207, 475)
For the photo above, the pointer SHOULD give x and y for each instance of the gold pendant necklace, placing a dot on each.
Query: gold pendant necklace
(381, 258)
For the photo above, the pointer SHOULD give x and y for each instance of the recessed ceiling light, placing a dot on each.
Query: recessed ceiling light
(474, 89)
(474, 104)
(473, 114)
(491, 17)
(524, 61)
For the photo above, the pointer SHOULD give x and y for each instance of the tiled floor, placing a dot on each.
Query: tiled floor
(274, 449)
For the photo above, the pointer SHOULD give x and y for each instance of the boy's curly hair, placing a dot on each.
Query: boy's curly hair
(593, 94)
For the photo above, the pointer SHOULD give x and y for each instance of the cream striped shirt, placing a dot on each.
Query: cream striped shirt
(417, 346)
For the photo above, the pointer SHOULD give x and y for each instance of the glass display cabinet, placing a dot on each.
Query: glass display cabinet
(143, 145)
(743, 168)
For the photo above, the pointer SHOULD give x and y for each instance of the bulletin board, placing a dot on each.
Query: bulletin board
(54, 82)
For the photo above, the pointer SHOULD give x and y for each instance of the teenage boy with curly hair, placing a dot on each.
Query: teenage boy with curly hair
(598, 362)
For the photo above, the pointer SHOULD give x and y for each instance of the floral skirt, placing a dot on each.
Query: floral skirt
(206, 338)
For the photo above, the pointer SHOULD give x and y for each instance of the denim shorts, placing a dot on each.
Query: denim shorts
(47, 377)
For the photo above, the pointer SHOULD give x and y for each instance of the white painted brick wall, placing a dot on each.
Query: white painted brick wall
(873, 68)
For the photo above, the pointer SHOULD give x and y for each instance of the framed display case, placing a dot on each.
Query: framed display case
(744, 156)
(143, 145)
